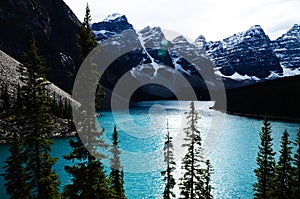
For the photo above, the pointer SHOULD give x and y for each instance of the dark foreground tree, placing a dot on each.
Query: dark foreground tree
(170, 167)
(4, 96)
(37, 127)
(193, 181)
(117, 173)
(88, 177)
(265, 162)
(207, 181)
(15, 175)
(283, 182)
(86, 39)
(296, 185)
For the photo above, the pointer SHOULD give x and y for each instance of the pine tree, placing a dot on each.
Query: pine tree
(65, 115)
(117, 173)
(282, 183)
(265, 161)
(37, 127)
(207, 186)
(88, 177)
(192, 183)
(70, 117)
(53, 104)
(170, 163)
(86, 39)
(296, 185)
(15, 174)
(6, 99)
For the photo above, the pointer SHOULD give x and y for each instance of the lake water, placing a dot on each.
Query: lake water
(230, 142)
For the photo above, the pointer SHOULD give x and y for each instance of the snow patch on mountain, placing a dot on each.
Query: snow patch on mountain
(287, 72)
(178, 67)
(113, 17)
(236, 76)
(153, 63)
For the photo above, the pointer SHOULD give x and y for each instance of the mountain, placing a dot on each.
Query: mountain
(242, 59)
(287, 48)
(112, 25)
(53, 25)
(10, 76)
(246, 53)
(152, 59)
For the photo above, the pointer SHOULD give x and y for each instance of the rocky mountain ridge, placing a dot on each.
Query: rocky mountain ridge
(241, 59)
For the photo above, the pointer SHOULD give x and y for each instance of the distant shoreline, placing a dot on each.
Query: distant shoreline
(260, 116)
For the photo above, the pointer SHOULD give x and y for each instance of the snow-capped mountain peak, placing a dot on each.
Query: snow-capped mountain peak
(294, 31)
(114, 17)
(152, 37)
(287, 48)
(249, 55)
(200, 41)
(112, 25)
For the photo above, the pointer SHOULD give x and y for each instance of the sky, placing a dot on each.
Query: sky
(214, 19)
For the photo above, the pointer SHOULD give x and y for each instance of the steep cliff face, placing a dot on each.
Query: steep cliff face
(54, 26)
(153, 58)
(287, 48)
(110, 26)
(246, 53)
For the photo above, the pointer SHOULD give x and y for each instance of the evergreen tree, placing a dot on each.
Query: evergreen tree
(15, 174)
(5, 99)
(53, 104)
(170, 163)
(70, 117)
(266, 163)
(60, 112)
(296, 185)
(207, 186)
(86, 39)
(88, 177)
(116, 174)
(37, 127)
(18, 106)
(65, 108)
(282, 183)
(192, 183)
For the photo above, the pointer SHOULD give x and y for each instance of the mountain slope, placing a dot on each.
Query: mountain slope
(246, 53)
(11, 77)
(55, 27)
(241, 59)
(287, 48)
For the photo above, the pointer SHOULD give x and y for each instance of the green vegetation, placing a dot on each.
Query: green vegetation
(117, 174)
(86, 39)
(88, 177)
(277, 179)
(171, 166)
(265, 161)
(28, 171)
(195, 182)
(15, 173)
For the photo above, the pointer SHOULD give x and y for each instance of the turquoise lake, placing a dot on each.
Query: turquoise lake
(230, 142)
